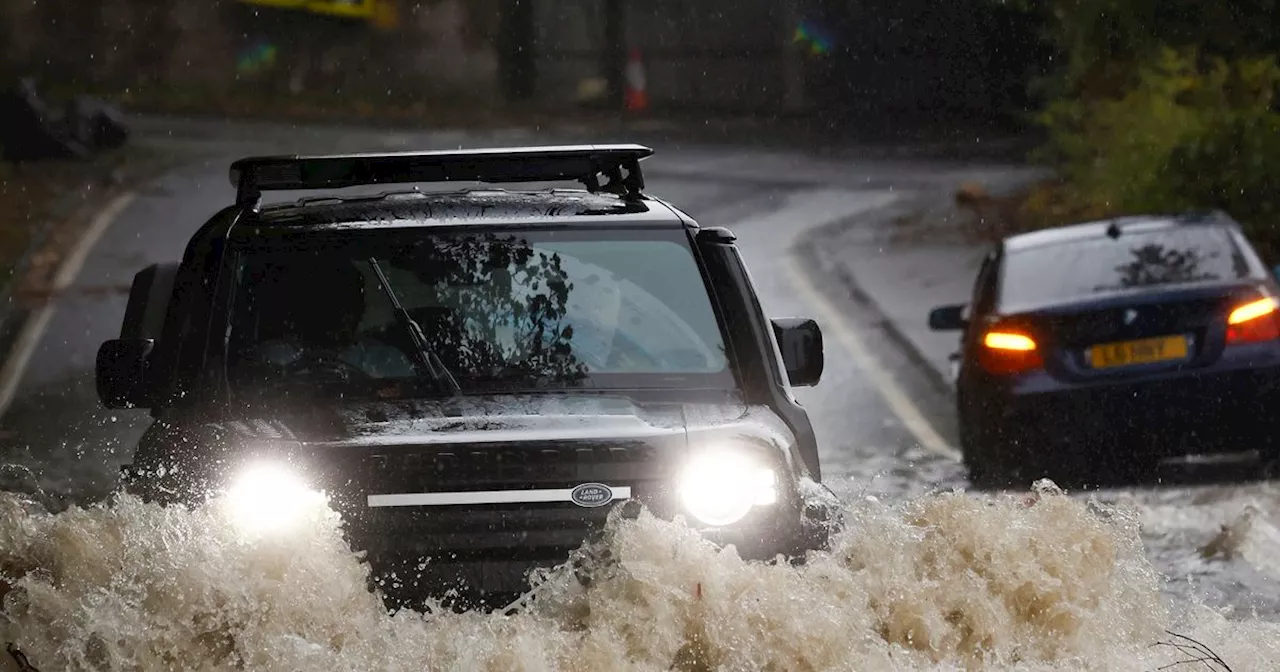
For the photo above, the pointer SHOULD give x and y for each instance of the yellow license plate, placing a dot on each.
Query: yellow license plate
(1145, 351)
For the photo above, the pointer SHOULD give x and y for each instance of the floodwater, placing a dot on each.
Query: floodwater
(918, 581)
(948, 581)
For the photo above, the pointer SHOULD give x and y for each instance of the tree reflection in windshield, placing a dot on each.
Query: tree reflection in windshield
(1156, 264)
(1070, 268)
(501, 312)
(497, 309)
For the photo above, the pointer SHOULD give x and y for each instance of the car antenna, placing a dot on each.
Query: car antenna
(1113, 229)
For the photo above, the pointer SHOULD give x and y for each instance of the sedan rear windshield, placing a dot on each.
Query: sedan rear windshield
(499, 310)
(1078, 269)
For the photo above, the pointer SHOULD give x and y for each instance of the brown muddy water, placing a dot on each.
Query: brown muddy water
(940, 582)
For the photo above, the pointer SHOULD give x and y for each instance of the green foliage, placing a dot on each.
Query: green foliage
(1098, 43)
(1163, 106)
(1177, 116)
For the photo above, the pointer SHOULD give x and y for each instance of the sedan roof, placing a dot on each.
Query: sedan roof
(1087, 262)
(1100, 228)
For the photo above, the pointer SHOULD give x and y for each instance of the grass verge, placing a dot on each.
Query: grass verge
(973, 215)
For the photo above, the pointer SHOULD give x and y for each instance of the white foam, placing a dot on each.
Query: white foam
(943, 582)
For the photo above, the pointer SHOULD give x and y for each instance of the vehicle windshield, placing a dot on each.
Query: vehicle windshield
(500, 311)
(1077, 269)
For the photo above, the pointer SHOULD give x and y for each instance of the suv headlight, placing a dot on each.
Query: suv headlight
(721, 487)
(269, 497)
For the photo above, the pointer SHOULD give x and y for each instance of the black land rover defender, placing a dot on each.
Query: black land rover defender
(473, 378)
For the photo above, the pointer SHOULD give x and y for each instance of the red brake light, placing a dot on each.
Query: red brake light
(1254, 322)
(1005, 352)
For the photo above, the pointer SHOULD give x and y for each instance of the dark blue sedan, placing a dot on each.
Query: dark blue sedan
(1098, 349)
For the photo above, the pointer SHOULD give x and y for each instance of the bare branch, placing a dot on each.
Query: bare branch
(1195, 652)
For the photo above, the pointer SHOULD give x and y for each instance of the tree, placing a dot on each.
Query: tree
(1164, 105)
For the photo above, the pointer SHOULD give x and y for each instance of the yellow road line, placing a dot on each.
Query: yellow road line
(884, 382)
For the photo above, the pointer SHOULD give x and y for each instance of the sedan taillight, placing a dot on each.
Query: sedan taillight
(1254, 322)
(1006, 352)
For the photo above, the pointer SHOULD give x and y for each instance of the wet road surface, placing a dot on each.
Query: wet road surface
(56, 426)
(884, 427)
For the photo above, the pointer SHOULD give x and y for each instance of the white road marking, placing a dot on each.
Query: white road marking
(29, 338)
(485, 497)
(882, 380)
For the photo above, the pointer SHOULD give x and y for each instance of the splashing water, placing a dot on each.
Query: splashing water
(952, 581)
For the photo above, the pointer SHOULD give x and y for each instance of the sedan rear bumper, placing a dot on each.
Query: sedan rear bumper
(1201, 412)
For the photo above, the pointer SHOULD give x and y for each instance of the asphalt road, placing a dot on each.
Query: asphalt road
(883, 426)
(770, 199)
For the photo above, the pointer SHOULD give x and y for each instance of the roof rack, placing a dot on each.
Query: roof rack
(584, 163)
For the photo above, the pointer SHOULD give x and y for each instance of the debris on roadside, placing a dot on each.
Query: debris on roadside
(30, 130)
(994, 216)
(96, 124)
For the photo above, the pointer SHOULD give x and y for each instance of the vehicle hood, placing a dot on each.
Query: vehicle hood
(515, 418)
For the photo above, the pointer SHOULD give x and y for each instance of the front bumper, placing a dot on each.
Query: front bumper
(481, 556)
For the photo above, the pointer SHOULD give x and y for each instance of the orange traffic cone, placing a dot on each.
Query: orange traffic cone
(637, 93)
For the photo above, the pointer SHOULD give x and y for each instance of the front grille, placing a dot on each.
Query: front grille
(499, 466)
(480, 519)
(491, 530)
(546, 529)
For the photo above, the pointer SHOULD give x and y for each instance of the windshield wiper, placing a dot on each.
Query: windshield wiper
(427, 358)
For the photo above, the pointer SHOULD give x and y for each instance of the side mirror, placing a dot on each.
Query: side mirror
(800, 340)
(122, 366)
(948, 318)
(121, 373)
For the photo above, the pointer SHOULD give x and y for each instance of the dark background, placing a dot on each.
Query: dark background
(871, 60)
